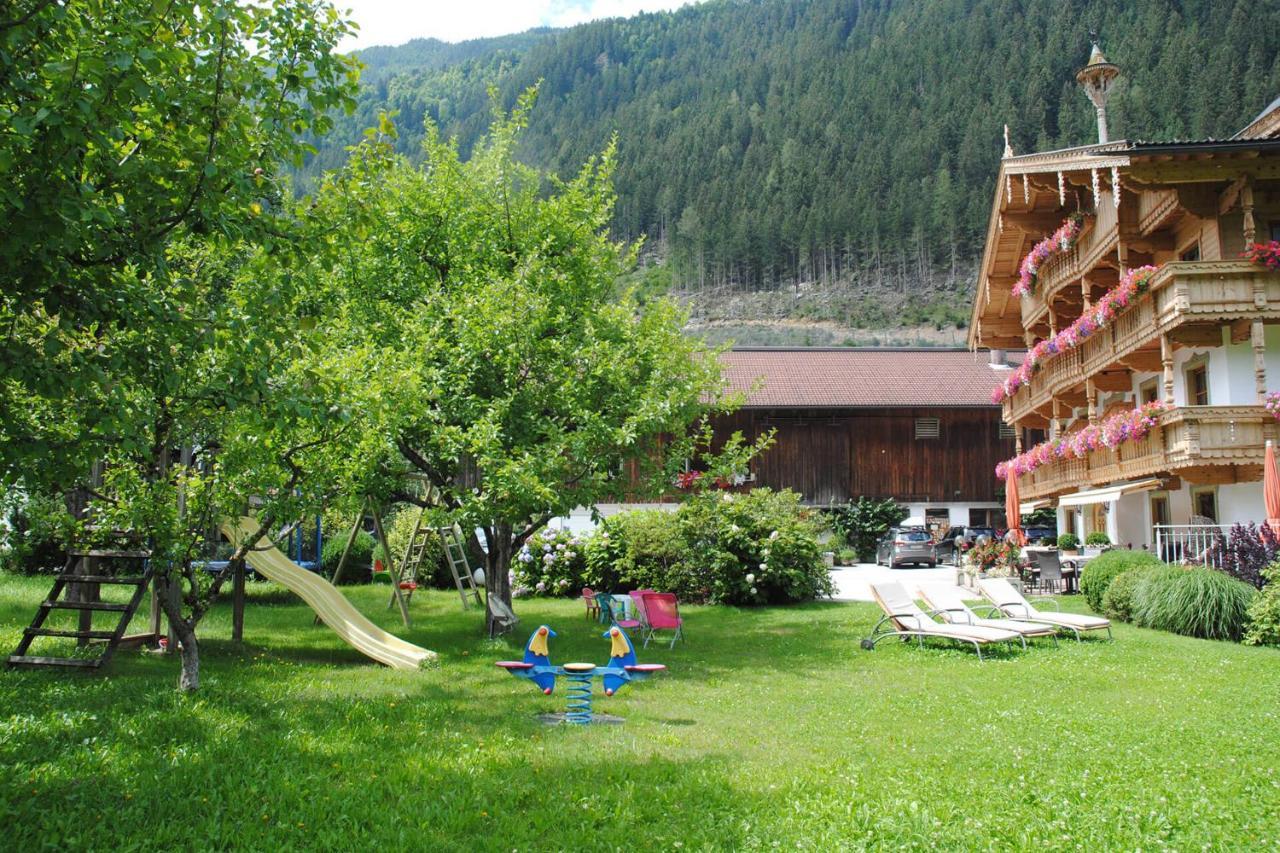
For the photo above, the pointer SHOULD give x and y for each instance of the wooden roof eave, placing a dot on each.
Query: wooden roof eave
(1083, 158)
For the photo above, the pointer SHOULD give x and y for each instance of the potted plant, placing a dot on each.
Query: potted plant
(1068, 543)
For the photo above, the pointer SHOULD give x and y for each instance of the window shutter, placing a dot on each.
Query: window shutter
(1006, 431)
(928, 428)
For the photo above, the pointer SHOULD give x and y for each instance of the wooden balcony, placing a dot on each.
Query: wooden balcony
(1063, 272)
(1186, 299)
(1199, 444)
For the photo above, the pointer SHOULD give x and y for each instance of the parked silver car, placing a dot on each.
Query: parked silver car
(902, 546)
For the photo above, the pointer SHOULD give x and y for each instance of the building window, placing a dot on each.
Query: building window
(1204, 503)
(1149, 391)
(1006, 430)
(1191, 253)
(1198, 383)
(928, 428)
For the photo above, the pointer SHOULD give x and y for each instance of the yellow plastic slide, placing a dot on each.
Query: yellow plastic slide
(323, 597)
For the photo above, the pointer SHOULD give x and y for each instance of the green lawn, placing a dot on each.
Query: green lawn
(771, 727)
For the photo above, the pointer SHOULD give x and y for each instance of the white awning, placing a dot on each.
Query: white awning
(1031, 506)
(1109, 494)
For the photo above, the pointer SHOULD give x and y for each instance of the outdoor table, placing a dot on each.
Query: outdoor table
(623, 601)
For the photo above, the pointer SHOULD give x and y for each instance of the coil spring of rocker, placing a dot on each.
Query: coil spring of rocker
(579, 700)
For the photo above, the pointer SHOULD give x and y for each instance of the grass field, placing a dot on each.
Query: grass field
(771, 728)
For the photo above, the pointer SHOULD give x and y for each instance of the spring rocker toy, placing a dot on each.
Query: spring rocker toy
(621, 669)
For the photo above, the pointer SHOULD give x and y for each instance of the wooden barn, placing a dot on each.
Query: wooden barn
(913, 424)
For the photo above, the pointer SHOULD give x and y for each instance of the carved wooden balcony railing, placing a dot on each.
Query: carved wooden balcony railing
(1201, 444)
(1064, 271)
(1181, 293)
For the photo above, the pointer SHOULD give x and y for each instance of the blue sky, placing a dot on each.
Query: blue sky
(398, 21)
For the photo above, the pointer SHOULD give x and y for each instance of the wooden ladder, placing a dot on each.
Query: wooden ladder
(82, 595)
(455, 554)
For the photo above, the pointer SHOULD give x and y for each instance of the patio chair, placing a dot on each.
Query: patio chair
(608, 612)
(662, 612)
(950, 605)
(1011, 603)
(589, 597)
(637, 599)
(904, 618)
(1050, 565)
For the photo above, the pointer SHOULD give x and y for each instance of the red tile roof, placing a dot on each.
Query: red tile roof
(848, 377)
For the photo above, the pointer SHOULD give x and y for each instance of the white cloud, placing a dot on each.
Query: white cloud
(398, 21)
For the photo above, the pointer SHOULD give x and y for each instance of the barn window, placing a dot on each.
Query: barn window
(1006, 431)
(927, 428)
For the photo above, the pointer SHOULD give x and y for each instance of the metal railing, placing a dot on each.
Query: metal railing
(1194, 544)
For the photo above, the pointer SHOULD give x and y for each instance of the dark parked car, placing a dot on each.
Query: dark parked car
(901, 546)
(1039, 532)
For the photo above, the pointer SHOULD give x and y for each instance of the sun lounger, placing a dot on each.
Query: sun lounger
(949, 604)
(1012, 603)
(904, 618)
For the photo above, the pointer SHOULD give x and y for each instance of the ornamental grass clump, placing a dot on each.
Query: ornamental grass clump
(1099, 572)
(1195, 601)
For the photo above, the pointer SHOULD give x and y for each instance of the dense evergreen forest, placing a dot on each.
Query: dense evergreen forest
(843, 145)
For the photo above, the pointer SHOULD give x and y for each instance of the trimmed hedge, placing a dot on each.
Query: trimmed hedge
(1194, 601)
(1102, 570)
(1117, 602)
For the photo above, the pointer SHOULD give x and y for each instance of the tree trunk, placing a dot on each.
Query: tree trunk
(497, 574)
(189, 679)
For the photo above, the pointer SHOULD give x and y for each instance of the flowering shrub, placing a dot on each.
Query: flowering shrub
(1055, 244)
(996, 557)
(1273, 404)
(1263, 617)
(1110, 433)
(1264, 254)
(553, 563)
(755, 548)
(1110, 306)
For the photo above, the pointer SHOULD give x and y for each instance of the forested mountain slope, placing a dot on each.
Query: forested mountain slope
(830, 159)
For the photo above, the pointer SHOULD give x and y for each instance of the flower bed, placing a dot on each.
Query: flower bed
(1102, 314)
(1272, 403)
(1110, 433)
(1055, 244)
(1264, 254)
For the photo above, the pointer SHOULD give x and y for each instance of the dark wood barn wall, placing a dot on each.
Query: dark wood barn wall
(831, 456)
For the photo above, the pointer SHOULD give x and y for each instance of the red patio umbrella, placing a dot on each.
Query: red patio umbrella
(1271, 489)
(1013, 509)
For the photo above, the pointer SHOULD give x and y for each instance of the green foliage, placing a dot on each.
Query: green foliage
(754, 548)
(728, 142)
(847, 556)
(1117, 601)
(1099, 572)
(1068, 541)
(1264, 613)
(1097, 538)
(359, 566)
(504, 368)
(33, 528)
(553, 563)
(863, 522)
(1196, 601)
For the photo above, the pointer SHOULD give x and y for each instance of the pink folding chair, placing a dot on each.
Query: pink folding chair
(662, 612)
(637, 599)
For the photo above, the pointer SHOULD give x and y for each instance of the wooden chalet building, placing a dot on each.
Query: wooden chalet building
(915, 425)
(1152, 302)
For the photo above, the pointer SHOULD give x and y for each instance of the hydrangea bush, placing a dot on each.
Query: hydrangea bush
(720, 547)
(551, 563)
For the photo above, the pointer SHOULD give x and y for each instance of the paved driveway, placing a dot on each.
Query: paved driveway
(853, 583)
